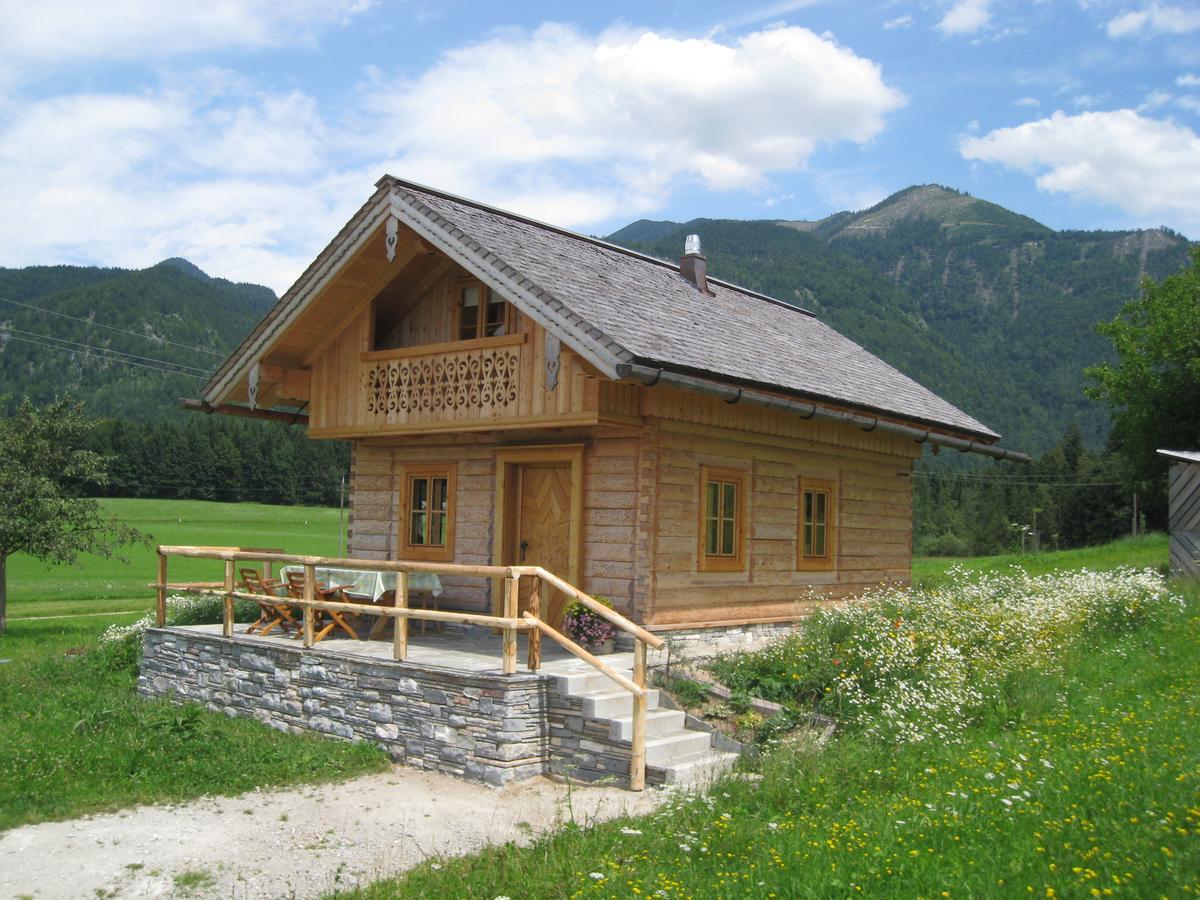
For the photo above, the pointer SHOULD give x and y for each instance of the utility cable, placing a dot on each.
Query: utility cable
(92, 355)
(109, 351)
(135, 334)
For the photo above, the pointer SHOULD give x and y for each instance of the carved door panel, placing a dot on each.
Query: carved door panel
(544, 530)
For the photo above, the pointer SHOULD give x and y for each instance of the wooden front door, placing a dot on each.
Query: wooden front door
(543, 529)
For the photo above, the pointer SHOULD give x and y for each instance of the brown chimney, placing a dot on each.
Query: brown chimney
(693, 265)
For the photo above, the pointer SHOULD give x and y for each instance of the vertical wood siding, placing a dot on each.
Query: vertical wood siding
(1183, 497)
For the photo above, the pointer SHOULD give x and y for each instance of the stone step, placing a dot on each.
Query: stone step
(589, 682)
(611, 704)
(700, 768)
(658, 722)
(665, 751)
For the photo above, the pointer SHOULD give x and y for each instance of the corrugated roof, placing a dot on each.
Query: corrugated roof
(1182, 455)
(655, 316)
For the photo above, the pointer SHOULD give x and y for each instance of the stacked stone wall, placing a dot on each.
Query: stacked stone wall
(489, 728)
(486, 728)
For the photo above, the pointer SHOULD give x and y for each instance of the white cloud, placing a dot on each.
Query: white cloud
(1157, 18)
(1144, 166)
(1027, 101)
(1154, 100)
(236, 185)
(66, 30)
(1188, 80)
(1088, 101)
(898, 22)
(571, 128)
(965, 17)
(1191, 104)
(516, 119)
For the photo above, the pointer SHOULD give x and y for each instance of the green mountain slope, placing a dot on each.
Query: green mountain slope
(989, 308)
(127, 343)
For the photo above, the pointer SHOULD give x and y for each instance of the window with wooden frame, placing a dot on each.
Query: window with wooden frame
(722, 520)
(427, 528)
(481, 312)
(815, 531)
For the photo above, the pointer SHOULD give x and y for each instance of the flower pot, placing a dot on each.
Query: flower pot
(600, 649)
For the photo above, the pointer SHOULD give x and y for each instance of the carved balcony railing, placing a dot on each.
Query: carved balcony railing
(424, 383)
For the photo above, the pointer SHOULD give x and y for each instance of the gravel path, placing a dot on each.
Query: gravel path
(296, 843)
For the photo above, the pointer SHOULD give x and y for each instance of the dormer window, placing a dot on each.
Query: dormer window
(482, 312)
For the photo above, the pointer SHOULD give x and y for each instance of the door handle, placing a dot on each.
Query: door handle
(524, 547)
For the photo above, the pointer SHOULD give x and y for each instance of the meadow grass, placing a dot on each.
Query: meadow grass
(1082, 780)
(99, 585)
(1146, 551)
(76, 739)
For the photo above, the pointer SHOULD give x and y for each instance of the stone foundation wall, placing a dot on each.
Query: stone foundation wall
(484, 728)
(581, 748)
(703, 643)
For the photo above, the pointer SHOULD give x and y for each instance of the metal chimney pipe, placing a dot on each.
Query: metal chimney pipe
(693, 265)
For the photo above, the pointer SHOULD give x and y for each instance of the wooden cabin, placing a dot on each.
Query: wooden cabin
(1183, 511)
(704, 456)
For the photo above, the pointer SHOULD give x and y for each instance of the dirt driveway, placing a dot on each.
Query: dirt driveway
(298, 843)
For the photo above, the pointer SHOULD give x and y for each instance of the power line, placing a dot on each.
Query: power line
(109, 350)
(1015, 478)
(1048, 484)
(13, 337)
(144, 337)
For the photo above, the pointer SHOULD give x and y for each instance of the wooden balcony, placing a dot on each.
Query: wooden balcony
(483, 384)
(444, 381)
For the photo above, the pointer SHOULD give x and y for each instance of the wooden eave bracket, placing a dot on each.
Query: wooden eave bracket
(267, 383)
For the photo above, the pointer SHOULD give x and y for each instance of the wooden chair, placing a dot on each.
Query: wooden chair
(270, 614)
(321, 627)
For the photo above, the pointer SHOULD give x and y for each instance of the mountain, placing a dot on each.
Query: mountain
(991, 309)
(127, 343)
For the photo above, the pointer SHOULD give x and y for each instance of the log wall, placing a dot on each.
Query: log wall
(610, 509)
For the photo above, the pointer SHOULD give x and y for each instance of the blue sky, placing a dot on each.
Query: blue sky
(243, 134)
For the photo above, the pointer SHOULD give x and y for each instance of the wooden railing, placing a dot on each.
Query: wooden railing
(510, 622)
(444, 380)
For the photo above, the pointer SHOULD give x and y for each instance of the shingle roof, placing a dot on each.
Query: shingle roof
(643, 310)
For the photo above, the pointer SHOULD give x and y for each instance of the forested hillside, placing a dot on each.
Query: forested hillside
(128, 344)
(989, 308)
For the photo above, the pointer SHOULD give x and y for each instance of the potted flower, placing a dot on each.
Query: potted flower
(584, 627)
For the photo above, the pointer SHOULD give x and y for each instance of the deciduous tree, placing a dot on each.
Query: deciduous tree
(1154, 388)
(43, 472)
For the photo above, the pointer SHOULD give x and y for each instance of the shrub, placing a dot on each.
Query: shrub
(910, 665)
(944, 545)
(121, 645)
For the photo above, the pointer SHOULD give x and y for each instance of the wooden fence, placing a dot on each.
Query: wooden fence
(510, 622)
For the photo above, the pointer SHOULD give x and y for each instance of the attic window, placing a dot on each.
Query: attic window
(482, 312)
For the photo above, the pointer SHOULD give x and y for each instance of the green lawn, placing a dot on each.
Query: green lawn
(102, 585)
(1147, 551)
(75, 739)
(1079, 781)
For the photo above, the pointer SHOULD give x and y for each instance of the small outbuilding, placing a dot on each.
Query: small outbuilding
(1183, 499)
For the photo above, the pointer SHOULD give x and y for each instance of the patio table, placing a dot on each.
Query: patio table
(370, 586)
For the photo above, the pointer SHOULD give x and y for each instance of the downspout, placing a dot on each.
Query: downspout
(650, 376)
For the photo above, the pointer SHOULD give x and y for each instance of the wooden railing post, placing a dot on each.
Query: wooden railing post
(160, 607)
(637, 755)
(400, 623)
(227, 618)
(535, 635)
(509, 652)
(310, 592)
